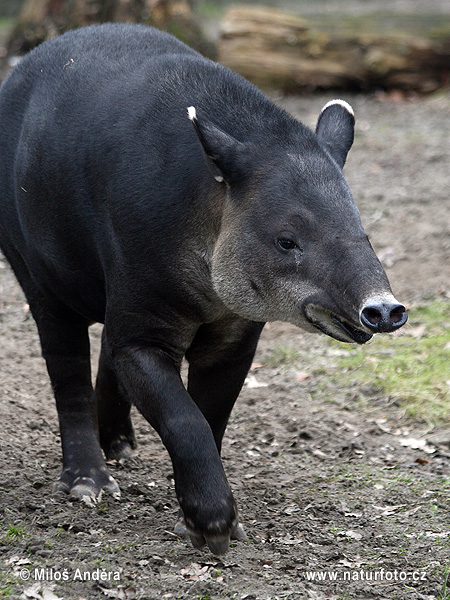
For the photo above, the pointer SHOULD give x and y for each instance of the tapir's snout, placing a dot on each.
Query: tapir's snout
(381, 316)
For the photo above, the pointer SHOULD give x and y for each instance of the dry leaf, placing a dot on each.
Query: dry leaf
(354, 535)
(252, 383)
(255, 366)
(415, 332)
(196, 572)
(40, 592)
(417, 444)
(120, 593)
(302, 376)
(389, 510)
(352, 565)
(320, 454)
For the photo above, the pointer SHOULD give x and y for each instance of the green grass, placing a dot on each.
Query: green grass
(412, 367)
(445, 592)
(14, 532)
(7, 584)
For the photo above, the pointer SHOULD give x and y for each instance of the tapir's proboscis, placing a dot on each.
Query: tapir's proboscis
(148, 188)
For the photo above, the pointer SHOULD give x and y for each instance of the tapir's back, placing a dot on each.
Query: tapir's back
(60, 91)
(74, 77)
(97, 152)
(105, 107)
(71, 116)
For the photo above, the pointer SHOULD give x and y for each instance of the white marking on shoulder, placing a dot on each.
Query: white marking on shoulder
(192, 113)
(218, 178)
(342, 103)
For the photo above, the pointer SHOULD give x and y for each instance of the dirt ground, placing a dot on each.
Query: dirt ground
(333, 504)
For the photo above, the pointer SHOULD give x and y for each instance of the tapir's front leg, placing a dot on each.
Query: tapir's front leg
(219, 358)
(152, 380)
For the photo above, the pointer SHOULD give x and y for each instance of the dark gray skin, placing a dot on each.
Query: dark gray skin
(147, 188)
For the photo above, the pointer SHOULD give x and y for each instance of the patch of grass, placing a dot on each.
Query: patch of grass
(444, 594)
(282, 356)
(7, 584)
(14, 533)
(412, 367)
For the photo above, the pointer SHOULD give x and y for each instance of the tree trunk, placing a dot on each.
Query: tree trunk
(41, 20)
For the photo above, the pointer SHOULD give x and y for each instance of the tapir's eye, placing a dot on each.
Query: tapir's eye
(286, 244)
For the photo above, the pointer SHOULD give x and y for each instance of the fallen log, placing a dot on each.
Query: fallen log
(280, 51)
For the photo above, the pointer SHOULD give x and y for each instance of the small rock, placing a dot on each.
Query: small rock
(439, 439)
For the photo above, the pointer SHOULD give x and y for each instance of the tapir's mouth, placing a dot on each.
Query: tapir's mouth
(335, 326)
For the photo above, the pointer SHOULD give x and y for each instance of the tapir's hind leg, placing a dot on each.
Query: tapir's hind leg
(114, 423)
(65, 348)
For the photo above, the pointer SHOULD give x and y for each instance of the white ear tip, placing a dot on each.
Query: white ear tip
(342, 103)
(192, 114)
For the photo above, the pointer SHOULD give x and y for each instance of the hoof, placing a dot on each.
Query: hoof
(120, 449)
(180, 526)
(218, 545)
(88, 489)
(238, 533)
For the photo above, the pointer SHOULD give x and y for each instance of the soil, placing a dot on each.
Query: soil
(325, 485)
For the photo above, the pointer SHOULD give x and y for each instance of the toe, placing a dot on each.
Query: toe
(89, 487)
(120, 450)
(219, 544)
(197, 539)
(238, 533)
(180, 527)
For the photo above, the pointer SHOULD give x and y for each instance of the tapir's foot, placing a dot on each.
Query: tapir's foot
(87, 485)
(118, 442)
(120, 448)
(218, 544)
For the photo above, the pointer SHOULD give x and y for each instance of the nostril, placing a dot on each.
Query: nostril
(383, 317)
(372, 315)
(398, 315)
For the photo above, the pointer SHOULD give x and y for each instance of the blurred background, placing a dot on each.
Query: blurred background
(287, 45)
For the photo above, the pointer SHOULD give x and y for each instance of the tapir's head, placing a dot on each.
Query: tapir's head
(291, 245)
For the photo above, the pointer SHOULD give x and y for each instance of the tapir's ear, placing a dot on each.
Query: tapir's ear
(335, 129)
(226, 155)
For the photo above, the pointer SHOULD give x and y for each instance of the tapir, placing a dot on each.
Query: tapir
(150, 189)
